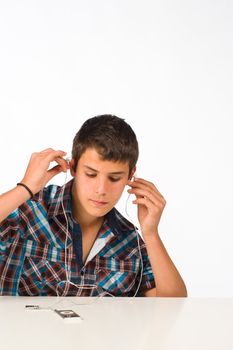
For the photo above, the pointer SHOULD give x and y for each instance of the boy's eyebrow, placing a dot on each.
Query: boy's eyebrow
(112, 173)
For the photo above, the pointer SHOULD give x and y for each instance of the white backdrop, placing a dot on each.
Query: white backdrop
(164, 66)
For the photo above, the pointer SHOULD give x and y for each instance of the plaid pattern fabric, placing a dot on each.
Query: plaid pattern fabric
(33, 260)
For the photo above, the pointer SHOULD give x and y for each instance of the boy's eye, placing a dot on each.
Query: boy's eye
(114, 179)
(91, 175)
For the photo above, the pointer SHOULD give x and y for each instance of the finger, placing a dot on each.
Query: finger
(155, 208)
(52, 155)
(144, 201)
(53, 172)
(145, 182)
(47, 150)
(141, 183)
(63, 163)
(154, 197)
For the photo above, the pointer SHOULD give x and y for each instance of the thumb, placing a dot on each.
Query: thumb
(54, 171)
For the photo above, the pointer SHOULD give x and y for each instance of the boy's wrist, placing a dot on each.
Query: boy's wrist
(150, 234)
(22, 193)
(26, 188)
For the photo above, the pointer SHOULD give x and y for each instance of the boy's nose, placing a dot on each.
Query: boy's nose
(101, 187)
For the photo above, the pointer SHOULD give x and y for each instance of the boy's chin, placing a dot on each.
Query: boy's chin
(99, 212)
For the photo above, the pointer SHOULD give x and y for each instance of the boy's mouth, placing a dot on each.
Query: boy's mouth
(99, 203)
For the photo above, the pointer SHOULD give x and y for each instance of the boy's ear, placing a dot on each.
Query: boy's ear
(132, 172)
(72, 167)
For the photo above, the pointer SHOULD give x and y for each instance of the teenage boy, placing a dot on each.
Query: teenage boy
(71, 240)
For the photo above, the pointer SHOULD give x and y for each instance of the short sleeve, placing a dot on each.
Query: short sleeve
(148, 280)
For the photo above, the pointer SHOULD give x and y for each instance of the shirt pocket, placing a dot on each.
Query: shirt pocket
(117, 276)
(43, 268)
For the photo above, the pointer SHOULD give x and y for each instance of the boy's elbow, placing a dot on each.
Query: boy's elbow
(182, 292)
(173, 293)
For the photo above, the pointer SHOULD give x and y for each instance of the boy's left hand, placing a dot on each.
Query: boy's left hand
(150, 205)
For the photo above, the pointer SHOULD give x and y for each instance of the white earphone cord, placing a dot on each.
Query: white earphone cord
(68, 270)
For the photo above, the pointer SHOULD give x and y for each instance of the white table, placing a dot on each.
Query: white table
(118, 324)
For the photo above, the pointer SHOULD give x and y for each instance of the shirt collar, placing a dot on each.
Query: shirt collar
(62, 198)
(117, 222)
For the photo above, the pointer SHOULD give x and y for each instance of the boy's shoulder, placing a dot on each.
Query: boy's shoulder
(56, 198)
(51, 198)
(53, 192)
(48, 202)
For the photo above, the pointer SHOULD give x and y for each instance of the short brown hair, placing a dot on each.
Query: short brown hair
(111, 136)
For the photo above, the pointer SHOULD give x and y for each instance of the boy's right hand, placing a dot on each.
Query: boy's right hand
(38, 173)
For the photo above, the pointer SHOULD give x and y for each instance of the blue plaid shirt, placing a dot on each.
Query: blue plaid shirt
(33, 260)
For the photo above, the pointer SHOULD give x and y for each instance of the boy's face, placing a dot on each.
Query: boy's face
(98, 184)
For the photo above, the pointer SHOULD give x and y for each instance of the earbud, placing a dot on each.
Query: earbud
(133, 174)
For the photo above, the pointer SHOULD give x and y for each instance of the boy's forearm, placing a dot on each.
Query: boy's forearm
(11, 200)
(168, 281)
